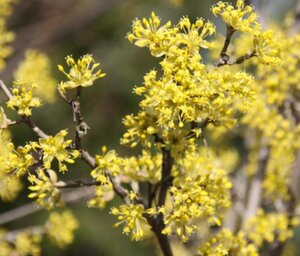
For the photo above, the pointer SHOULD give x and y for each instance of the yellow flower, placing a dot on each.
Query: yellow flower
(225, 243)
(56, 147)
(22, 98)
(132, 218)
(28, 244)
(241, 17)
(151, 34)
(267, 48)
(35, 69)
(60, 228)
(10, 187)
(17, 161)
(146, 167)
(82, 72)
(6, 36)
(266, 227)
(103, 194)
(110, 162)
(44, 189)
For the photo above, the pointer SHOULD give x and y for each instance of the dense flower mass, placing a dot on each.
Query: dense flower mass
(201, 191)
(226, 243)
(264, 227)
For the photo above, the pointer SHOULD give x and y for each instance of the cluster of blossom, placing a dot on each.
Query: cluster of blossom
(6, 36)
(35, 70)
(59, 228)
(277, 91)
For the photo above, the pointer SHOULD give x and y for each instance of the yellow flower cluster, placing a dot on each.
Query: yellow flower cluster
(139, 129)
(266, 47)
(22, 98)
(187, 92)
(4, 122)
(36, 69)
(17, 161)
(57, 147)
(60, 228)
(10, 185)
(131, 216)
(6, 36)
(225, 243)
(109, 161)
(82, 72)
(200, 191)
(44, 189)
(242, 18)
(145, 167)
(103, 194)
(6, 248)
(28, 244)
(276, 89)
(268, 227)
(24, 244)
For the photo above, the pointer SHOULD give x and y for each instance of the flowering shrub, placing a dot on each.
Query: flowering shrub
(180, 187)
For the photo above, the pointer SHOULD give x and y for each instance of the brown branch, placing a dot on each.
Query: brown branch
(24, 119)
(81, 127)
(167, 179)
(5, 90)
(119, 190)
(157, 225)
(239, 60)
(12, 235)
(38, 131)
(157, 221)
(31, 208)
(78, 184)
(224, 59)
(255, 192)
(244, 58)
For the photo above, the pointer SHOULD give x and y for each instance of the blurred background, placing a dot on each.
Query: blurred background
(60, 28)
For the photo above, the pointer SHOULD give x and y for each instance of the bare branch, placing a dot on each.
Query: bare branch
(254, 199)
(78, 184)
(38, 131)
(25, 119)
(12, 235)
(31, 208)
(224, 59)
(5, 90)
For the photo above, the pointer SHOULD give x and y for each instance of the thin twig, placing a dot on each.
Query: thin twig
(5, 90)
(24, 119)
(11, 236)
(78, 184)
(254, 199)
(31, 208)
(38, 131)
(223, 57)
